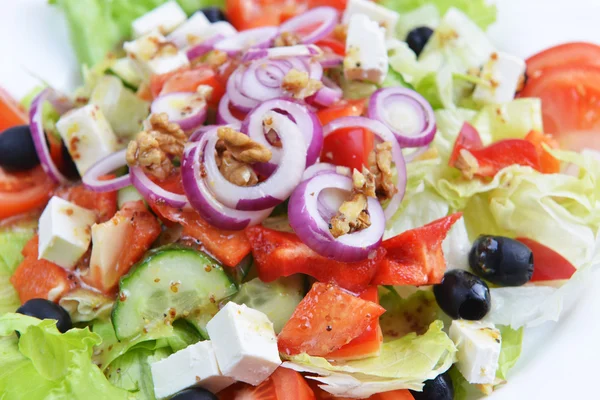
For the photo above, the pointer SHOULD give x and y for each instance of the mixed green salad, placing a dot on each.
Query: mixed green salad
(292, 200)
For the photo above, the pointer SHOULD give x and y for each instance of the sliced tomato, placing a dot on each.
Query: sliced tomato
(11, 112)
(548, 163)
(21, 192)
(570, 103)
(548, 265)
(283, 384)
(189, 80)
(367, 344)
(349, 147)
(247, 14)
(333, 45)
(158, 81)
(567, 54)
(339, 4)
(39, 278)
(104, 204)
(415, 257)
(345, 108)
(325, 320)
(468, 138)
(278, 254)
(244, 391)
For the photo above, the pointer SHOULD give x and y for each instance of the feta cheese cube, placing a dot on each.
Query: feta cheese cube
(245, 343)
(478, 345)
(191, 32)
(366, 54)
(64, 232)
(380, 14)
(164, 19)
(152, 54)
(222, 28)
(196, 365)
(87, 135)
(502, 73)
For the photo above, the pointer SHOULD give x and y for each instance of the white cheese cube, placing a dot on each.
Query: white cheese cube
(502, 73)
(196, 365)
(245, 343)
(380, 14)
(164, 19)
(191, 32)
(152, 54)
(366, 54)
(64, 232)
(87, 135)
(478, 345)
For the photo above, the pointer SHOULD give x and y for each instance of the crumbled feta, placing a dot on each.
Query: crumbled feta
(382, 15)
(245, 343)
(164, 19)
(64, 232)
(502, 74)
(152, 54)
(366, 54)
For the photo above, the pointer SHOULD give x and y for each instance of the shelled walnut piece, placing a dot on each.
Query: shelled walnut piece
(235, 153)
(154, 148)
(353, 214)
(299, 84)
(380, 165)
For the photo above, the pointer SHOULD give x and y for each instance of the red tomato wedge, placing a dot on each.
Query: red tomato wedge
(11, 112)
(39, 278)
(415, 257)
(368, 344)
(325, 320)
(345, 108)
(21, 192)
(104, 204)
(468, 138)
(548, 164)
(283, 384)
(247, 14)
(567, 54)
(278, 254)
(349, 147)
(548, 265)
(188, 81)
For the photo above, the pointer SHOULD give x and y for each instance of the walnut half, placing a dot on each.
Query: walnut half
(353, 215)
(380, 165)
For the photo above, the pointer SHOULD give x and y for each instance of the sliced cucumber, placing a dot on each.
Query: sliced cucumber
(124, 70)
(128, 193)
(171, 283)
(240, 272)
(200, 317)
(277, 299)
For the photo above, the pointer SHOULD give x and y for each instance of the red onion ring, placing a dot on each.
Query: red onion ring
(282, 52)
(328, 95)
(327, 17)
(274, 189)
(251, 38)
(307, 122)
(385, 135)
(203, 48)
(312, 227)
(324, 168)
(103, 167)
(195, 137)
(188, 110)
(331, 60)
(39, 136)
(384, 104)
(224, 115)
(154, 193)
(201, 198)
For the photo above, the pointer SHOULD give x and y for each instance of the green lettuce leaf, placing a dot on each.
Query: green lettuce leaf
(512, 339)
(404, 363)
(45, 364)
(463, 390)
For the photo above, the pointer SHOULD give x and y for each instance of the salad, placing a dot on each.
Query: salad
(292, 200)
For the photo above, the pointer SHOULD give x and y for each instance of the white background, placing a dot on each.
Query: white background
(561, 360)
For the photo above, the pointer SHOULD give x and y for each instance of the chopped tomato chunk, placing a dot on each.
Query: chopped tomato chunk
(104, 204)
(325, 320)
(25, 191)
(248, 14)
(280, 254)
(468, 138)
(283, 384)
(188, 81)
(349, 147)
(548, 265)
(415, 257)
(345, 108)
(11, 112)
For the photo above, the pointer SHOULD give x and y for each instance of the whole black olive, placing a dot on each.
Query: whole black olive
(214, 14)
(45, 309)
(17, 152)
(418, 38)
(463, 295)
(501, 260)
(440, 388)
(194, 394)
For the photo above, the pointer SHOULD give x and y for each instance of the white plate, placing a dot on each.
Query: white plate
(560, 359)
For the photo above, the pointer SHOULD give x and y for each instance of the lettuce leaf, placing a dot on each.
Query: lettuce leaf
(404, 363)
(45, 364)
(86, 305)
(406, 315)
(512, 339)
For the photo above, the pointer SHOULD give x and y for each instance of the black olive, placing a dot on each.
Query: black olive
(440, 388)
(463, 295)
(214, 14)
(418, 38)
(69, 168)
(45, 309)
(17, 152)
(501, 260)
(194, 394)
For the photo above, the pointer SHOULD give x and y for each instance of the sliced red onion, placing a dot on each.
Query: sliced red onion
(39, 136)
(203, 201)
(385, 135)
(326, 17)
(195, 137)
(274, 189)
(203, 48)
(310, 215)
(282, 52)
(224, 115)
(324, 168)
(248, 39)
(188, 110)
(406, 113)
(307, 122)
(331, 60)
(328, 95)
(154, 193)
(236, 97)
(106, 166)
